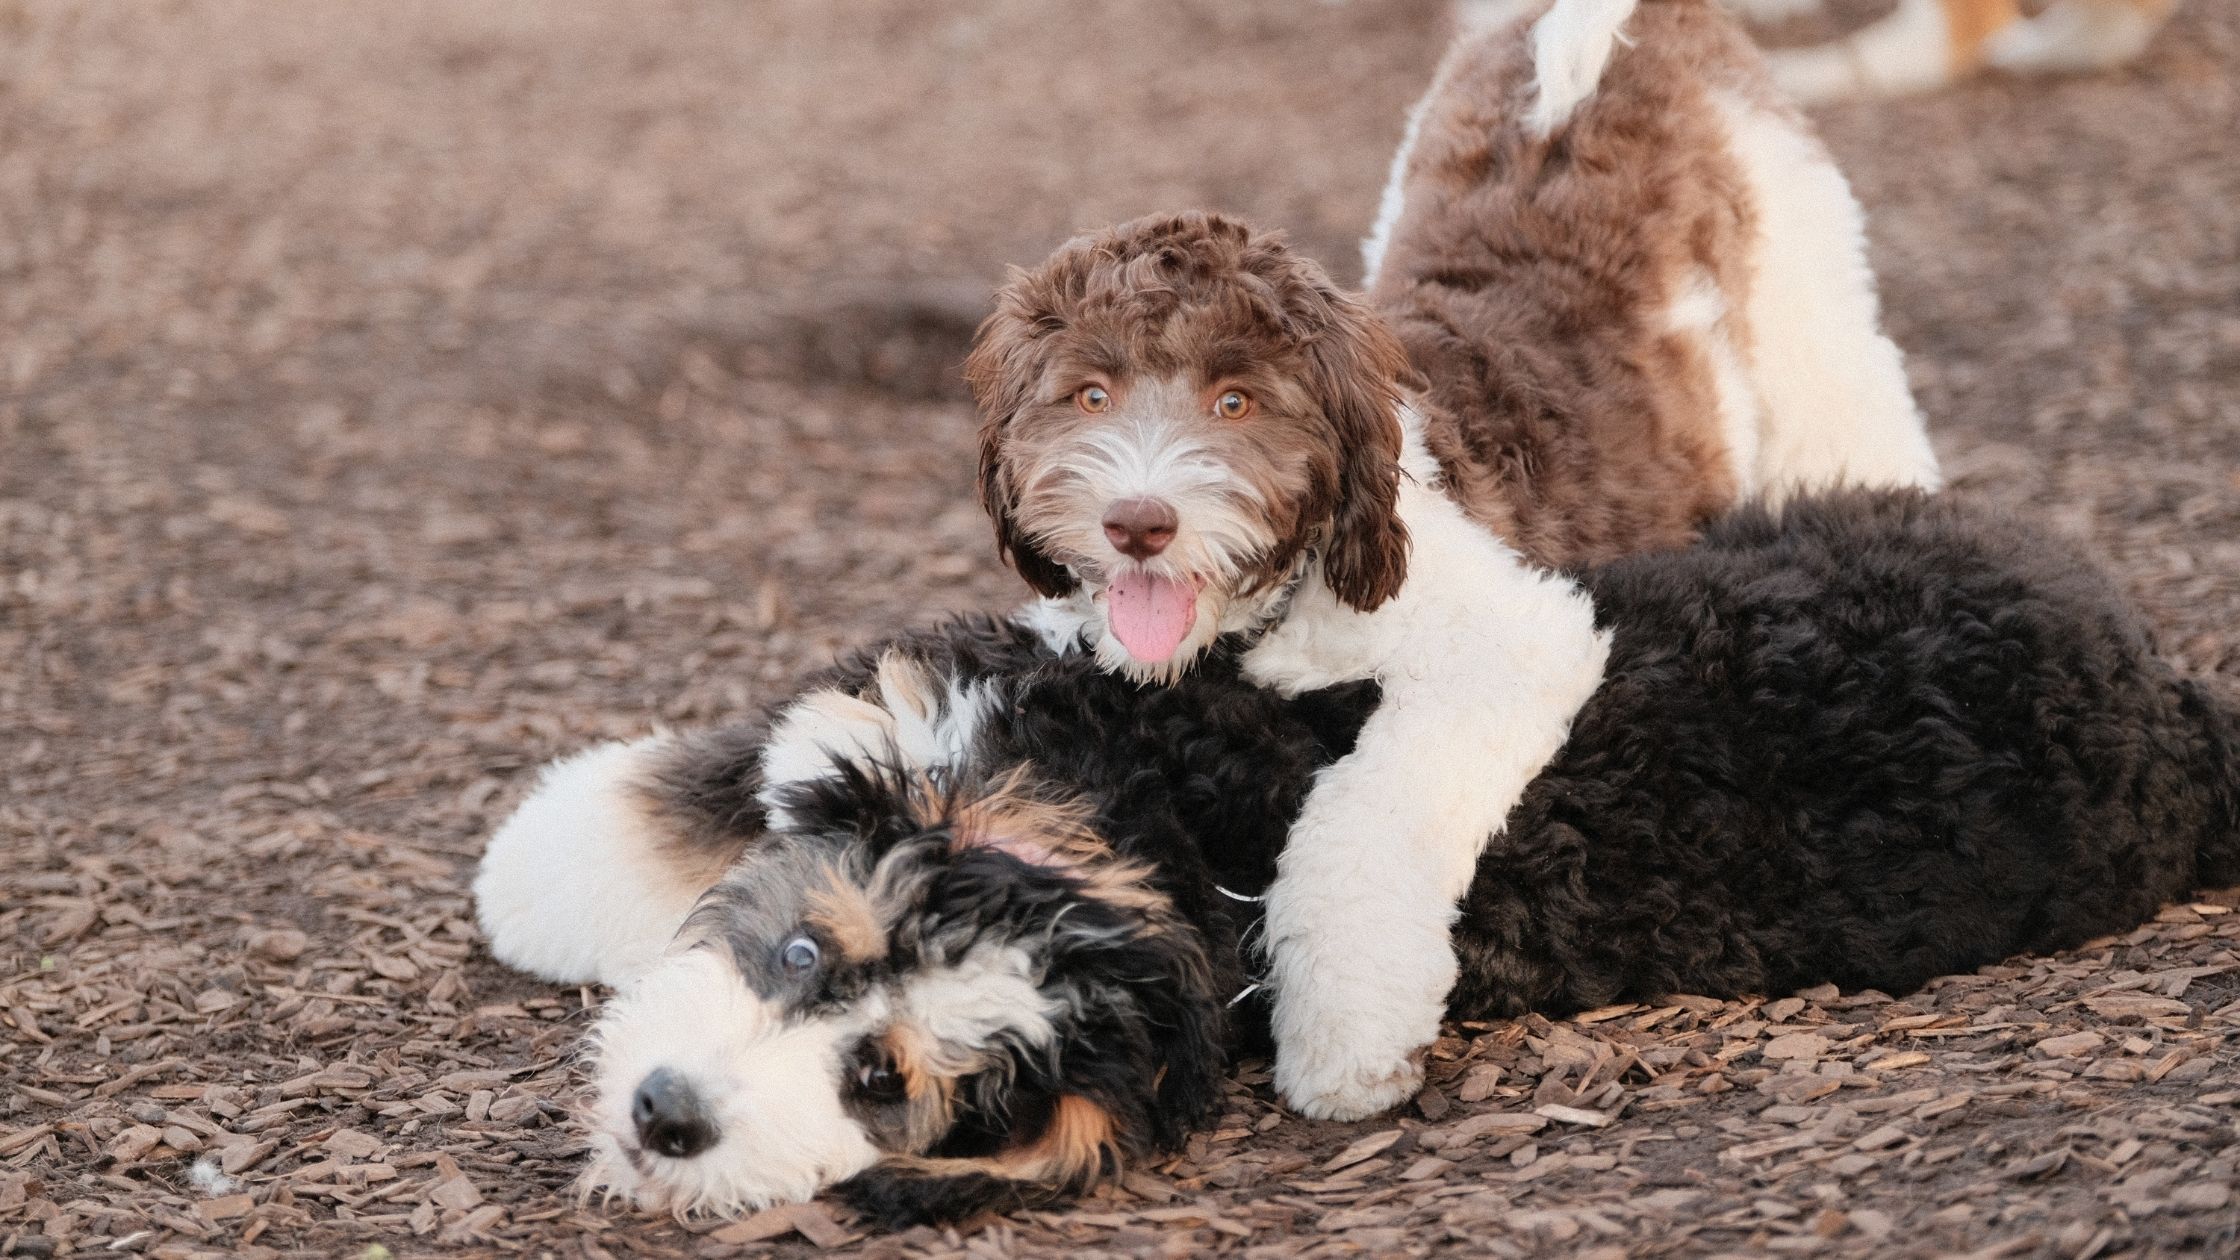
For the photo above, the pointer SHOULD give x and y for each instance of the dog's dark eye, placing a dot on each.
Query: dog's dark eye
(875, 1077)
(1233, 405)
(1092, 398)
(799, 956)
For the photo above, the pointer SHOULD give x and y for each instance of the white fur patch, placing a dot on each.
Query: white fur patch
(1700, 313)
(1571, 44)
(575, 887)
(1059, 622)
(917, 722)
(1392, 202)
(771, 1086)
(1484, 661)
(987, 994)
(1833, 403)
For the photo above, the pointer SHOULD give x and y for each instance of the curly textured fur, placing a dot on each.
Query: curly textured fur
(1615, 284)
(1866, 739)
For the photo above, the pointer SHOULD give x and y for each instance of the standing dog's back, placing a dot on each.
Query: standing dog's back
(1635, 283)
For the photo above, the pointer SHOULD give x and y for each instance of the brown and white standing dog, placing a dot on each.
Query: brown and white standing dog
(1615, 286)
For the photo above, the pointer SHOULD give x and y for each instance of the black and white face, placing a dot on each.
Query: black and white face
(907, 1015)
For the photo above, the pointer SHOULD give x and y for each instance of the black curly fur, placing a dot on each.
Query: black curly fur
(1868, 740)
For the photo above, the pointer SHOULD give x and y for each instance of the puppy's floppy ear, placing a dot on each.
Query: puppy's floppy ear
(1356, 364)
(1002, 370)
(1074, 1145)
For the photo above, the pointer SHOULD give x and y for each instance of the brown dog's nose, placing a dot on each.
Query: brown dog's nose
(1139, 528)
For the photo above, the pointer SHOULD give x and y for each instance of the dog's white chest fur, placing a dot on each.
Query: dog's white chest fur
(1484, 661)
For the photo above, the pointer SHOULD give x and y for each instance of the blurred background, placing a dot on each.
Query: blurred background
(395, 396)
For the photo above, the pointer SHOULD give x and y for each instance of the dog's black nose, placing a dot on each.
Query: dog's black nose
(669, 1116)
(1139, 528)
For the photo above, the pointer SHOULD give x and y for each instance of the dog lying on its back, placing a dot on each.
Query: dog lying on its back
(983, 948)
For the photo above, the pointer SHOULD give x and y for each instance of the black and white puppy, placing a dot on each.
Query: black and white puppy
(976, 939)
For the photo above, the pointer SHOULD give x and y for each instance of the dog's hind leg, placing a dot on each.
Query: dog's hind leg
(590, 877)
(1834, 406)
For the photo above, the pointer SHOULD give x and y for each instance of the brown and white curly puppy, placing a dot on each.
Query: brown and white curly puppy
(1615, 286)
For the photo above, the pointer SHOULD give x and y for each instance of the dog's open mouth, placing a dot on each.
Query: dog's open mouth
(1152, 613)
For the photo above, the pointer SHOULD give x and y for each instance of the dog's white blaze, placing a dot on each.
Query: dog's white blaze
(1484, 660)
(575, 886)
(771, 1085)
(1217, 522)
(1148, 454)
(1833, 401)
(1571, 44)
(1700, 313)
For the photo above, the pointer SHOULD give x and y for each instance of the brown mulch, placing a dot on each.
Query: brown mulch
(393, 397)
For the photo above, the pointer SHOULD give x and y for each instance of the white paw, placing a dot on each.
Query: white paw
(1351, 1027)
(1323, 1085)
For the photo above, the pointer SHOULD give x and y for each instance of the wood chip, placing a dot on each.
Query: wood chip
(1366, 1148)
(226, 1208)
(1479, 1084)
(135, 1142)
(1573, 1115)
(352, 1144)
(2070, 1046)
(1797, 1045)
(457, 1193)
(1878, 1139)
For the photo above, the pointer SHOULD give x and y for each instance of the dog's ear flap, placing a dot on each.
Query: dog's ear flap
(1357, 364)
(897, 1194)
(1190, 1039)
(1002, 372)
(1151, 1053)
(1077, 1145)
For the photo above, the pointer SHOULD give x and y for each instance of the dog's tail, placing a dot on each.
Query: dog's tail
(1571, 43)
(2216, 862)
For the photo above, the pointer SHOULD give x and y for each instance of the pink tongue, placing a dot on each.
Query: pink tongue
(1151, 615)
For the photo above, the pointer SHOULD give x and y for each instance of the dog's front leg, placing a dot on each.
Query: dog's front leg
(1483, 662)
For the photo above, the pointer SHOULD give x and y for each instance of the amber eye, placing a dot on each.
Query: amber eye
(1092, 398)
(1233, 405)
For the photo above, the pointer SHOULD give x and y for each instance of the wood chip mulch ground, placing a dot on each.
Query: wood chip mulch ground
(393, 397)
